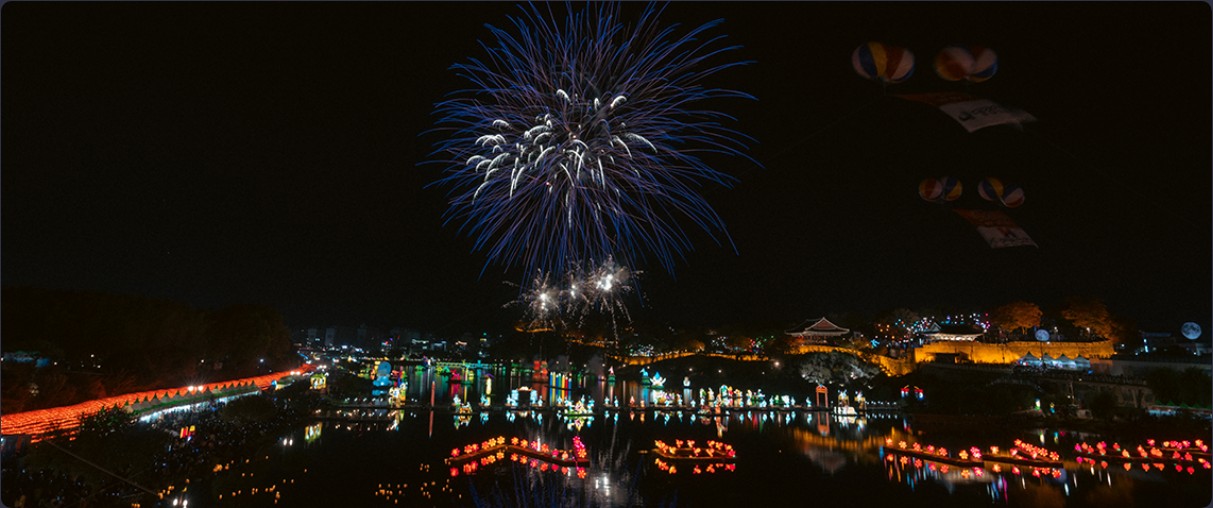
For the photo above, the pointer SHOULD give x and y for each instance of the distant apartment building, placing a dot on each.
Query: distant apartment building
(337, 336)
(299, 336)
(369, 338)
(1167, 341)
(315, 337)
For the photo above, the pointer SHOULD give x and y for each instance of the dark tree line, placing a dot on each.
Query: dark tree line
(1191, 387)
(102, 344)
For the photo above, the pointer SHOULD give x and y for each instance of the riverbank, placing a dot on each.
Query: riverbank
(123, 462)
(953, 398)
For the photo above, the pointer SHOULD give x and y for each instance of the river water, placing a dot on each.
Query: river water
(400, 458)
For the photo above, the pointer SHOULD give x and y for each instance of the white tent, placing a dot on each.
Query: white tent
(1064, 362)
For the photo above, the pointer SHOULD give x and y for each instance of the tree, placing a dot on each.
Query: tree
(1092, 315)
(1103, 404)
(738, 342)
(896, 324)
(257, 408)
(106, 421)
(689, 344)
(244, 334)
(128, 343)
(1191, 386)
(1017, 316)
(785, 345)
(836, 367)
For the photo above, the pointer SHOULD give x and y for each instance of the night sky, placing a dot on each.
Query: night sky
(267, 153)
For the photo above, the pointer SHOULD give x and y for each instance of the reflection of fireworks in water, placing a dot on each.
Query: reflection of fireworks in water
(610, 480)
(583, 136)
(615, 476)
(527, 487)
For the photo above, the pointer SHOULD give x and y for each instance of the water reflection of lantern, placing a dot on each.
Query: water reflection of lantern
(823, 426)
(312, 432)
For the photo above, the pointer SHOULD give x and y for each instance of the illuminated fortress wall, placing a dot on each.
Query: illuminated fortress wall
(1007, 353)
(977, 352)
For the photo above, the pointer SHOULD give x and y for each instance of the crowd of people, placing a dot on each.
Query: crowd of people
(1054, 374)
(44, 487)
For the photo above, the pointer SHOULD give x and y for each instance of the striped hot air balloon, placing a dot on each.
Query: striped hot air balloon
(1012, 196)
(952, 188)
(969, 63)
(930, 189)
(940, 190)
(880, 62)
(990, 189)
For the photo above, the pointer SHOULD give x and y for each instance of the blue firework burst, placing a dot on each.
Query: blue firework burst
(582, 138)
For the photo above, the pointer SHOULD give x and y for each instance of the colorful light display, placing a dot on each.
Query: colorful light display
(535, 454)
(712, 457)
(1191, 453)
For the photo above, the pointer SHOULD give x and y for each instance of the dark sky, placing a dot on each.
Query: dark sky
(227, 153)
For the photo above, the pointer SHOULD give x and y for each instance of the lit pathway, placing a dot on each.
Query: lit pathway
(40, 422)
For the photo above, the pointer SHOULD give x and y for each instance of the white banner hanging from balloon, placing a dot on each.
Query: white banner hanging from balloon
(970, 112)
(998, 229)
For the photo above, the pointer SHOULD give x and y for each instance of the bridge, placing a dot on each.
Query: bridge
(43, 423)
